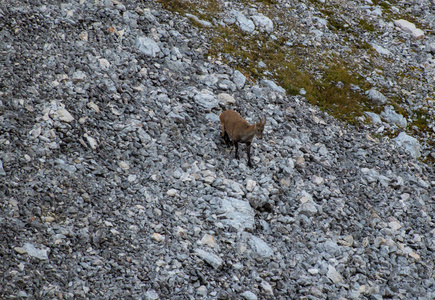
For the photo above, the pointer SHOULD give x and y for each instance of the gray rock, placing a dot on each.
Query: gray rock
(377, 97)
(206, 100)
(260, 247)
(273, 86)
(263, 23)
(147, 46)
(237, 214)
(239, 79)
(392, 117)
(334, 275)
(151, 295)
(31, 250)
(212, 259)
(376, 119)
(409, 143)
(244, 23)
(248, 295)
(2, 171)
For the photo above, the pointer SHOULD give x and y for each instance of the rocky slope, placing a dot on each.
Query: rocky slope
(115, 183)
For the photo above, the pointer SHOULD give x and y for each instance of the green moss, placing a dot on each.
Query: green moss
(366, 26)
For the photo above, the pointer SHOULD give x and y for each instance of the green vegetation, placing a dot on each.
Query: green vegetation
(327, 78)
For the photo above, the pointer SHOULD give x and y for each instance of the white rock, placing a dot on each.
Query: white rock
(62, 115)
(91, 141)
(263, 23)
(147, 46)
(409, 143)
(158, 237)
(267, 287)
(395, 225)
(381, 50)
(104, 63)
(2, 171)
(409, 28)
(172, 192)
(151, 295)
(250, 185)
(226, 99)
(208, 240)
(405, 25)
(198, 20)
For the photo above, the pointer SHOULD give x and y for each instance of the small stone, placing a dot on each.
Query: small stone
(180, 232)
(212, 259)
(93, 106)
(244, 23)
(333, 274)
(250, 185)
(91, 141)
(2, 171)
(84, 36)
(34, 252)
(394, 225)
(104, 63)
(313, 271)
(267, 287)
(20, 250)
(260, 247)
(206, 100)
(226, 99)
(172, 192)
(201, 291)
(300, 161)
(151, 295)
(147, 46)
(208, 240)
(239, 79)
(123, 165)
(158, 237)
(248, 295)
(392, 117)
(376, 96)
(409, 143)
(49, 219)
(263, 23)
(63, 115)
(79, 76)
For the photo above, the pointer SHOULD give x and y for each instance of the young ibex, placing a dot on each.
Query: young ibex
(240, 131)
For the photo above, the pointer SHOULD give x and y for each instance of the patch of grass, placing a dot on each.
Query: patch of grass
(366, 26)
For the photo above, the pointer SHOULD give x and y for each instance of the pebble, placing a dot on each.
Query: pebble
(212, 259)
(31, 250)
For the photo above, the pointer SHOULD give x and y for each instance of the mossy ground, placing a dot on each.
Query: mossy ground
(328, 78)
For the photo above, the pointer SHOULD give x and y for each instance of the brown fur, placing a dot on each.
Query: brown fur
(239, 130)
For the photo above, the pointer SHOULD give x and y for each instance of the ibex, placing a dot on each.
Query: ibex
(240, 131)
